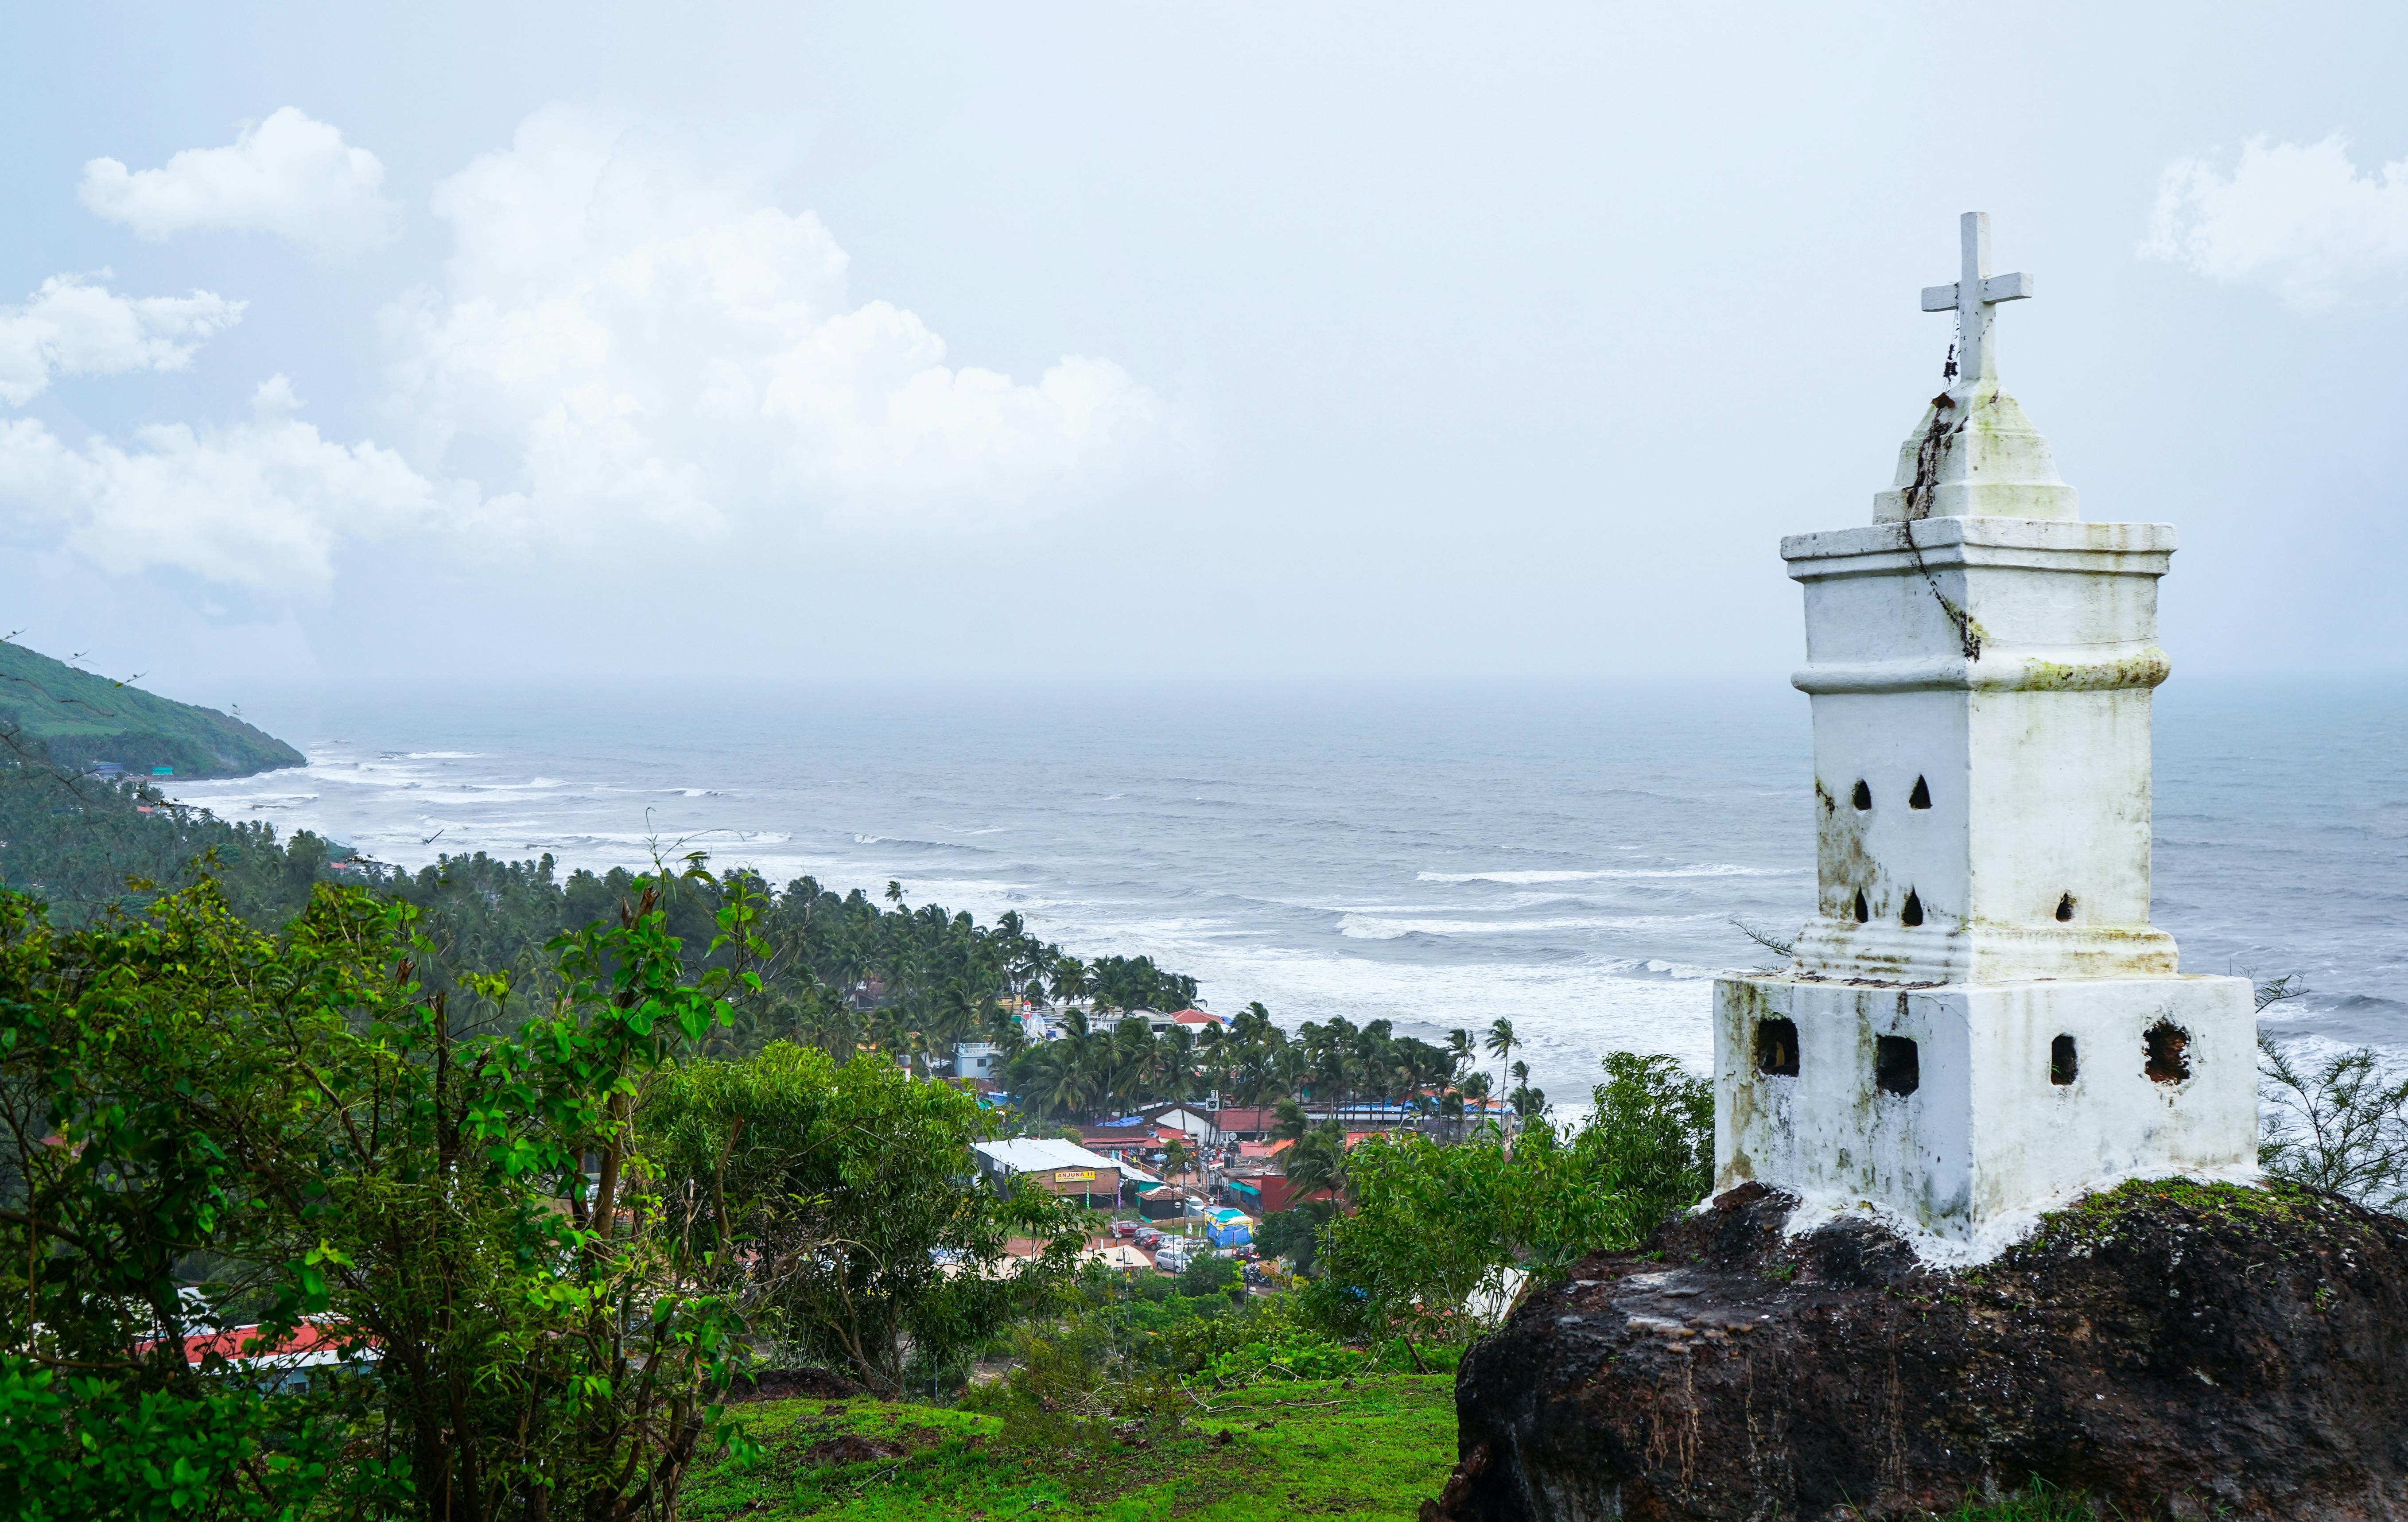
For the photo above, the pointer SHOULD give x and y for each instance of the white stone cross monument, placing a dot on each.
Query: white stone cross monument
(1980, 1023)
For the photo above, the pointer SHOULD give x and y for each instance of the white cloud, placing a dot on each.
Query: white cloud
(639, 354)
(645, 343)
(289, 174)
(2300, 218)
(260, 504)
(75, 327)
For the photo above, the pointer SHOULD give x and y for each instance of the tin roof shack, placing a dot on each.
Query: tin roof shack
(1169, 1203)
(1058, 1167)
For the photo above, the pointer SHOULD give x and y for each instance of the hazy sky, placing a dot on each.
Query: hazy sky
(1117, 339)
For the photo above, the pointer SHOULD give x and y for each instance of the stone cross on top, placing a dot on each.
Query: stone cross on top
(1971, 299)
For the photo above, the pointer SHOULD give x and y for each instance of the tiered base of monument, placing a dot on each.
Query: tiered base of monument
(1963, 1110)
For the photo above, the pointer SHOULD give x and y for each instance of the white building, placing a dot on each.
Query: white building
(1980, 1022)
(979, 1059)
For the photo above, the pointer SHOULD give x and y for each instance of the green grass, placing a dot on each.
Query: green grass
(1311, 1448)
(1307, 1448)
(2037, 1504)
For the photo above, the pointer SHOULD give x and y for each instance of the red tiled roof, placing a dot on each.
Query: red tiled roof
(241, 1342)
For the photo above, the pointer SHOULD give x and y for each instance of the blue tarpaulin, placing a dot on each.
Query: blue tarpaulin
(1227, 1227)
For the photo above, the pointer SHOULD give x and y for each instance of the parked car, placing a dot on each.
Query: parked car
(1125, 1229)
(1147, 1236)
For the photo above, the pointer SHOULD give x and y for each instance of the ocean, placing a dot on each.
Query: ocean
(1570, 856)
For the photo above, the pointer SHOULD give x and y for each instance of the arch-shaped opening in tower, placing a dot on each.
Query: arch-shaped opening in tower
(1913, 914)
(1776, 1047)
(1864, 910)
(2063, 1063)
(1921, 797)
(2065, 909)
(1863, 796)
(1898, 1067)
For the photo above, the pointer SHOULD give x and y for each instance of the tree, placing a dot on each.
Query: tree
(298, 1115)
(1433, 1228)
(1528, 1103)
(1500, 1042)
(2340, 1124)
(1441, 1241)
(1288, 1122)
(851, 1194)
(1317, 1162)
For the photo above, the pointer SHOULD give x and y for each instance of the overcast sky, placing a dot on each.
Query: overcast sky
(1059, 340)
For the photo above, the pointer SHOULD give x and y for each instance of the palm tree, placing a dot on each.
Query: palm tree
(1003, 1028)
(952, 1019)
(1069, 980)
(1474, 1089)
(1450, 1109)
(1175, 1158)
(1287, 1071)
(1500, 1042)
(1463, 1046)
(1288, 1122)
(1317, 1160)
(1046, 1079)
(1132, 1056)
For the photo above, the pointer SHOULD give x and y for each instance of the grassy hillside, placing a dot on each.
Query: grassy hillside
(75, 718)
(1374, 1449)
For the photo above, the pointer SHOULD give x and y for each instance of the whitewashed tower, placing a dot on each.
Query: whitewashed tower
(1980, 1022)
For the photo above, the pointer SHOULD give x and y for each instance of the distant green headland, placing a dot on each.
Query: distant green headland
(78, 720)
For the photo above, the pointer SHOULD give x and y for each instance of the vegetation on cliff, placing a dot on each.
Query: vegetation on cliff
(76, 719)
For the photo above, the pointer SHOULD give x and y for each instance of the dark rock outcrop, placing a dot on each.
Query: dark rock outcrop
(2174, 1349)
(850, 1449)
(786, 1383)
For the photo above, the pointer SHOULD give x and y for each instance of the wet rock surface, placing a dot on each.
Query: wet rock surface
(786, 1384)
(850, 1449)
(2174, 1349)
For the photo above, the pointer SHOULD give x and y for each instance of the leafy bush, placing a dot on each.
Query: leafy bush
(1293, 1234)
(1443, 1240)
(460, 1212)
(1209, 1276)
(850, 1191)
(2339, 1125)
(1072, 1389)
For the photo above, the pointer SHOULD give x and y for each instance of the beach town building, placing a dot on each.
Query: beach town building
(1171, 1202)
(979, 1059)
(1233, 1123)
(1059, 1168)
(1190, 1118)
(1980, 1022)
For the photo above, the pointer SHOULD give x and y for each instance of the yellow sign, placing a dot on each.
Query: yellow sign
(1069, 1177)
